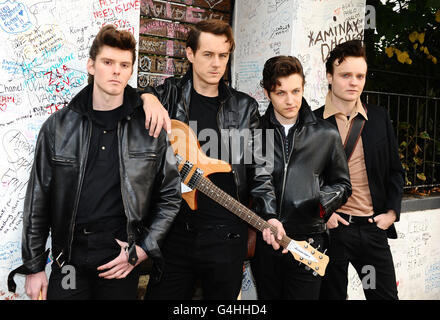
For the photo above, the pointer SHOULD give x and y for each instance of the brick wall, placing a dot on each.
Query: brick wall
(164, 26)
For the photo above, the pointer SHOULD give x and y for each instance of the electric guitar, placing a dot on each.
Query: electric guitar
(194, 167)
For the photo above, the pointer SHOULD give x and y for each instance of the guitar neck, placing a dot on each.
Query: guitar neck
(205, 186)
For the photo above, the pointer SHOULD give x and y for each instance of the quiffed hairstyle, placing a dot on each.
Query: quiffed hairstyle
(352, 48)
(214, 26)
(110, 36)
(278, 67)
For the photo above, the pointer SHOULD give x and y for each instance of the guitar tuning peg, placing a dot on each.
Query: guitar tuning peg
(317, 248)
(310, 241)
(315, 273)
(307, 268)
(325, 251)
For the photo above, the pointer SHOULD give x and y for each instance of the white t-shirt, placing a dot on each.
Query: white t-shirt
(287, 128)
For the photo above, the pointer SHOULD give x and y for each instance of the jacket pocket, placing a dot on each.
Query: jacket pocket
(142, 155)
(63, 161)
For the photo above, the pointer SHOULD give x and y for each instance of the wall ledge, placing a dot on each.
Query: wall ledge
(419, 203)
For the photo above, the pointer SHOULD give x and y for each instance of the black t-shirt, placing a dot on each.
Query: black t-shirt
(204, 111)
(101, 196)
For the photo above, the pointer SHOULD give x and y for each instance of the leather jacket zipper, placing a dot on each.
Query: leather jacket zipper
(331, 199)
(78, 192)
(286, 166)
(185, 105)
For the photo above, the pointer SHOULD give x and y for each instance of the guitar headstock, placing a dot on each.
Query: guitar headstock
(305, 253)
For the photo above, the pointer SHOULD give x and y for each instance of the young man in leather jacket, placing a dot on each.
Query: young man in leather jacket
(100, 185)
(210, 243)
(359, 229)
(310, 176)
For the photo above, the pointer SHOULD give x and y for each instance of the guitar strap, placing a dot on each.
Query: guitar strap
(354, 133)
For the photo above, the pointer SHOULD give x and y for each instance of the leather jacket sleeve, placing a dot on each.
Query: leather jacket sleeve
(259, 178)
(166, 92)
(336, 188)
(37, 205)
(165, 202)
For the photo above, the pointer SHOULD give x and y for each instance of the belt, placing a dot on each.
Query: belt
(187, 226)
(355, 219)
(100, 226)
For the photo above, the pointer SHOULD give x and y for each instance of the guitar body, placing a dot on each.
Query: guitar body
(184, 142)
(194, 168)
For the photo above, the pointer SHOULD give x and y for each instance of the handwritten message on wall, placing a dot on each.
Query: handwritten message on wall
(308, 30)
(262, 29)
(43, 60)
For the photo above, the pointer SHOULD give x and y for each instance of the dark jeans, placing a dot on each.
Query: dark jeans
(279, 276)
(79, 280)
(366, 247)
(212, 254)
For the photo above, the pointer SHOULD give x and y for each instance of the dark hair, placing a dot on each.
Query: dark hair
(214, 26)
(352, 48)
(277, 67)
(110, 36)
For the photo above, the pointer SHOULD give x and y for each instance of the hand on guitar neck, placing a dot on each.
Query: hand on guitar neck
(269, 236)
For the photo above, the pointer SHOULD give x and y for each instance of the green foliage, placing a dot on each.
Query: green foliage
(414, 147)
(406, 40)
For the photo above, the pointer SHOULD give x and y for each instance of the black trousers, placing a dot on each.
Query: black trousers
(366, 247)
(79, 280)
(213, 255)
(280, 277)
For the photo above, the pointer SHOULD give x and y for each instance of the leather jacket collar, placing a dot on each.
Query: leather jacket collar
(82, 103)
(305, 116)
(186, 83)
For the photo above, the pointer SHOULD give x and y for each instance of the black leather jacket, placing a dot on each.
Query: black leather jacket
(150, 184)
(237, 113)
(314, 172)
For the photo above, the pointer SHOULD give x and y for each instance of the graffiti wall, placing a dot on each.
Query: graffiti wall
(43, 60)
(308, 30)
